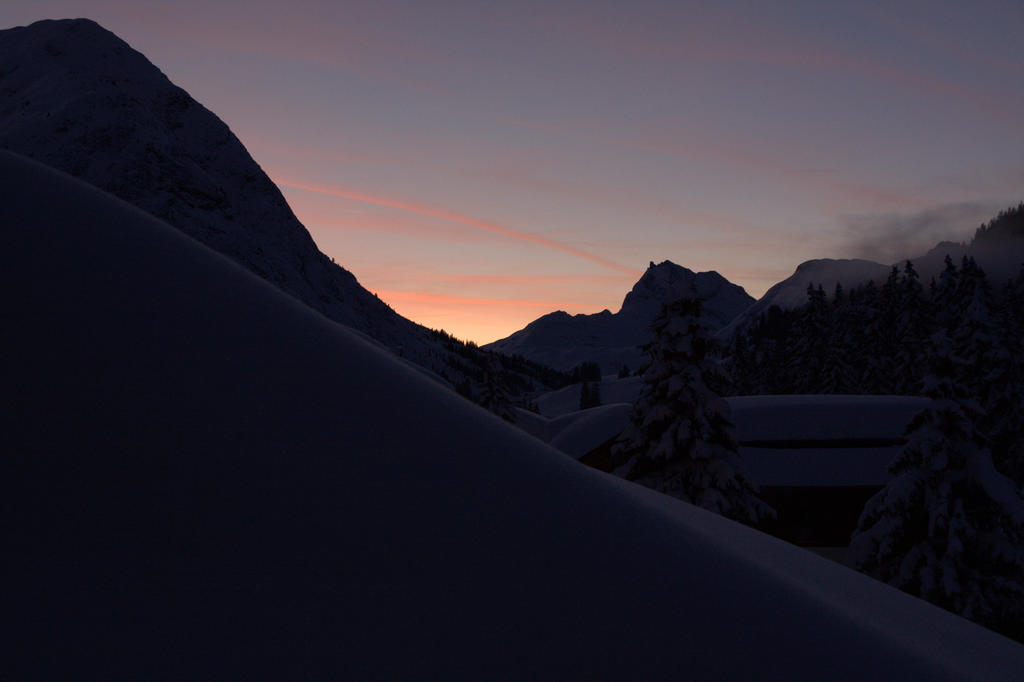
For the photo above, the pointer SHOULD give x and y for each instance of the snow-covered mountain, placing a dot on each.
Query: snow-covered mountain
(613, 339)
(792, 291)
(202, 477)
(78, 98)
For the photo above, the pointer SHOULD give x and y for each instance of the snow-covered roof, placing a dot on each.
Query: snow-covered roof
(822, 417)
(579, 432)
(204, 478)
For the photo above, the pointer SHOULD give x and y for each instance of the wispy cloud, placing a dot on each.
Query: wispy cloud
(465, 220)
(889, 237)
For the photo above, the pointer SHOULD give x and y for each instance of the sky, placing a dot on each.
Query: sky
(479, 164)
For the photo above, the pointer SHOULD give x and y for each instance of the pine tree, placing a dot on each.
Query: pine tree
(912, 331)
(838, 374)
(493, 395)
(681, 439)
(808, 352)
(590, 395)
(872, 371)
(948, 527)
(973, 329)
(1004, 399)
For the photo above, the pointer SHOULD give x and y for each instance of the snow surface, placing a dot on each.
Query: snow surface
(205, 478)
(612, 340)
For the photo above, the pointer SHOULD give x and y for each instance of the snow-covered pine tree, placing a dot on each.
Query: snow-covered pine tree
(681, 438)
(947, 526)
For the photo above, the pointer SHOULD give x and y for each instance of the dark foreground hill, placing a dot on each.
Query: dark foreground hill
(204, 478)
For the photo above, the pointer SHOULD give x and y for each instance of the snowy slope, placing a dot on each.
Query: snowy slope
(612, 339)
(204, 478)
(78, 98)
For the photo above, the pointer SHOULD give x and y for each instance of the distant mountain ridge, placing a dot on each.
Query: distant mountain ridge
(997, 246)
(612, 340)
(78, 98)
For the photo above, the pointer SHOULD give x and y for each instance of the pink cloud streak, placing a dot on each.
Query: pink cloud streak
(465, 220)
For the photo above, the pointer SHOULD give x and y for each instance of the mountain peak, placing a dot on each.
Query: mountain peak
(666, 281)
(613, 339)
(78, 46)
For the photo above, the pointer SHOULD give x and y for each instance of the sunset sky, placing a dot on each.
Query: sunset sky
(479, 164)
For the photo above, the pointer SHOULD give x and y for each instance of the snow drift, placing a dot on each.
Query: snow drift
(204, 477)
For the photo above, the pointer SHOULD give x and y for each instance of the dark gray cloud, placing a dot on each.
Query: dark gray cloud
(891, 237)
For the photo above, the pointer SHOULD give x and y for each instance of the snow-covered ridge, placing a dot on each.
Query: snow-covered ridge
(78, 98)
(205, 478)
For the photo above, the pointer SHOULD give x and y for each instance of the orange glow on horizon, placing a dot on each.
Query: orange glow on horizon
(480, 320)
(426, 297)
